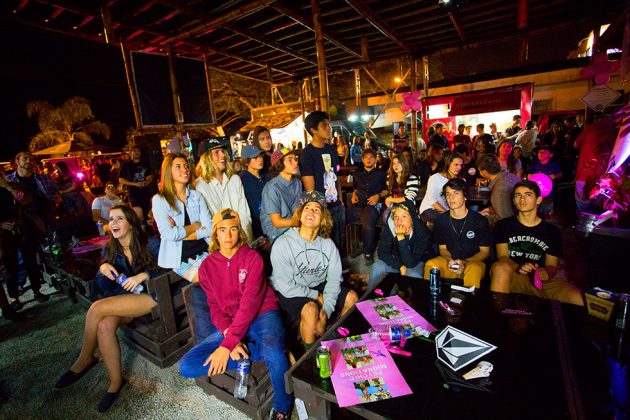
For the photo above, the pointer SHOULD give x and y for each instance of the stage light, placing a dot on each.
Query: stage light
(397, 79)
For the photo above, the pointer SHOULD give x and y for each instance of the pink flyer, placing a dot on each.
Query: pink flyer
(384, 312)
(364, 371)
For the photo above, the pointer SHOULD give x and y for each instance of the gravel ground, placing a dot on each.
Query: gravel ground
(34, 353)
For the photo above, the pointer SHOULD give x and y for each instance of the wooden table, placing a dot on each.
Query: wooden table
(543, 365)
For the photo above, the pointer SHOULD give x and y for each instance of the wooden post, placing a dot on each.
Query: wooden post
(179, 120)
(107, 25)
(270, 79)
(522, 29)
(303, 87)
(357, 89)
(365, 56)
(425, 76)
(130, 85)
(414, 114)
(209, 87)
(322, 71)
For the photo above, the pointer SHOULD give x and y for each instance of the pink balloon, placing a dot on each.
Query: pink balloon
(411, 101)
(544, 183)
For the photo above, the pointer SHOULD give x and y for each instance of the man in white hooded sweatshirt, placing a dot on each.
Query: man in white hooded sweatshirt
(307, 270)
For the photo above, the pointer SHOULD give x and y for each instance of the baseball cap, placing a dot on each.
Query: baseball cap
(279, 154)
(250, 152)
(313, 196)
(212, 143)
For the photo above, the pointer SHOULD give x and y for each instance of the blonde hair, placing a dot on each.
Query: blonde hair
(167, 184)
(326, 225)
(214, 241)
(207, 169)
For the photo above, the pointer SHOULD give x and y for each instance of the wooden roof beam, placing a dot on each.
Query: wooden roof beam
(211, 21)
(374, 20)
(292, 14)
(269, 43)
(458, 27)
(159, 34)
(243, 32)
(20, 6)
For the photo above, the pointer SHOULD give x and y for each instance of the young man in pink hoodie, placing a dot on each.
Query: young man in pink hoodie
(244, 309)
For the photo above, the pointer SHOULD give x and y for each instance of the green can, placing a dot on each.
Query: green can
(324, 362)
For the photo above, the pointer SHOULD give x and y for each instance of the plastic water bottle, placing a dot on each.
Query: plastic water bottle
(99, 226)
(242, 377)
(123, 278)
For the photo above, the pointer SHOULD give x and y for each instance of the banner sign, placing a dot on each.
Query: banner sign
(384, 312)
(364, 371)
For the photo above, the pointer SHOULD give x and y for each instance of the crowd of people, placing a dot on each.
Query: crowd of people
(205, 216)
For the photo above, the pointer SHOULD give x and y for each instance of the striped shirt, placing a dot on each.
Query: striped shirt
(411, 189)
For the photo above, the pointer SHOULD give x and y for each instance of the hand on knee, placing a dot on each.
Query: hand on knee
(310, 314)
(351, 298)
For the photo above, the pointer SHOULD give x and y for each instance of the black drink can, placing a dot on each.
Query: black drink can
(435, 282)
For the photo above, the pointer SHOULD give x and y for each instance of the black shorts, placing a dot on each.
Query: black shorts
(292, 307)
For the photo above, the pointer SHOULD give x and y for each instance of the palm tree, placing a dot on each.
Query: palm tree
(73, 120)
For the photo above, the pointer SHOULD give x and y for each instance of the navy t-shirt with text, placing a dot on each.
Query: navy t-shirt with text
(528, 244)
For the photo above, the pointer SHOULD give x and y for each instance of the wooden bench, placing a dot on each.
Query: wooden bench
(258, 402)
(164, 335)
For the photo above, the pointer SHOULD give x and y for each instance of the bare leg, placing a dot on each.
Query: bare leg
(123, 306)
(308, 322)
(110, 349)
(351, 299)
(501, 276)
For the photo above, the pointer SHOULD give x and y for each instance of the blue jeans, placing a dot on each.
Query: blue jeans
(380, 270)
(265, 341)
(201, 313)
(368, 216)
(338, 215)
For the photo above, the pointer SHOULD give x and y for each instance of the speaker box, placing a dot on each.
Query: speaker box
(151, 150)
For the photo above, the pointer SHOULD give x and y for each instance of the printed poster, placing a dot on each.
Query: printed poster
(384, 312)
(364, 371)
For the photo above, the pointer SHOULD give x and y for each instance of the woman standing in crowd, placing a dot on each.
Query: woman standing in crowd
(342, 150)
(507, 160)
(281, 195)
(262, 139)
(72, 202)
(220, 186)
(432, 164)
(433, 202)
(244, 309)
(356, 152)
(181, 214)
(402, 185)
(127, 252)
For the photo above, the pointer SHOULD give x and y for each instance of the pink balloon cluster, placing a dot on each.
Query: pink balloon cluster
(600, 69)
(411, 101)
(544, 183)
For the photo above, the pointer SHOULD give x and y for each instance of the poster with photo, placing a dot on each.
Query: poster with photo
(364, 371)
(384, 312)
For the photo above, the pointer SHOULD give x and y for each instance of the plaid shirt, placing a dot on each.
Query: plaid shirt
(46, 185)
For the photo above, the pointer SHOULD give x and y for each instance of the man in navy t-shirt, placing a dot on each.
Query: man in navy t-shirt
(528, 249)
(319, 168)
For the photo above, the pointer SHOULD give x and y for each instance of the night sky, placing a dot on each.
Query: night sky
(39, 64)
